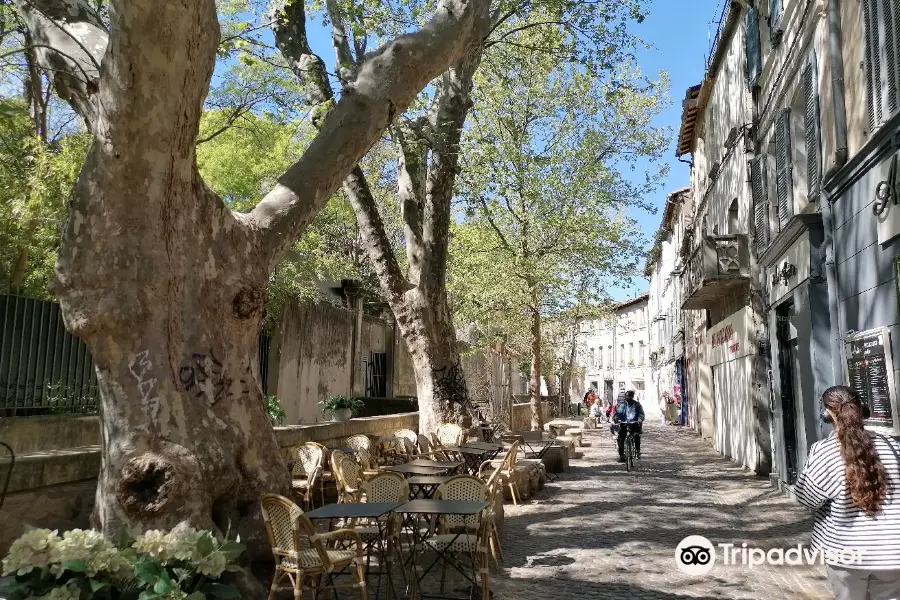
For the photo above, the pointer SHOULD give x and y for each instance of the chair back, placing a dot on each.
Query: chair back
(359, 442)
(308, 459)
(364, 458)
(461, 487)
(347, 475)
(408, 440)
(450, 434)
(386, 487)
(290, 532)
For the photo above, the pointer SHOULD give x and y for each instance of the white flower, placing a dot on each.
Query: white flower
(213, 565)
(31, 551)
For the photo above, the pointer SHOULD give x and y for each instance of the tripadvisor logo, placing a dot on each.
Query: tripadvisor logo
(695, 555)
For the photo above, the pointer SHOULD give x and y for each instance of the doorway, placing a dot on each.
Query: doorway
(787, 352)
(608, 391)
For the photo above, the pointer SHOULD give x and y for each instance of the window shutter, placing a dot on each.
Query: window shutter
(754, 56)
(759, 191)
(783, 176)
(775, 28)
(811, 127)
(881, 21)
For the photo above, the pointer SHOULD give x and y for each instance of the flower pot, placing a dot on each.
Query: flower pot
(343, 414)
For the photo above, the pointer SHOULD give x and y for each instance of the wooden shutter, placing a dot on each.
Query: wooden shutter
(759, 190)
(754, 56)
(775, 28)
(811, 127)
(881, 59)
(783, 175)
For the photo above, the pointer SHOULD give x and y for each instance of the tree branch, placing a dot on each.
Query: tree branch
(454, 102)
(411, 175)
(346, 65)
(373, 236)
(70, 40)
(387, 81)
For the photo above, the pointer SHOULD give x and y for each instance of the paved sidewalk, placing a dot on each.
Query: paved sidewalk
(601, 533)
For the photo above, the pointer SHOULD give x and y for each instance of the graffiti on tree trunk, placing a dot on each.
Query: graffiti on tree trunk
(140, 368)
(450, 387)
(206, 373)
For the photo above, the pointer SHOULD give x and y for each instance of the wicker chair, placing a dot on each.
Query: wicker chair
(449, 538)
(307, 472)
(494, 492)
(408, 440)
(505, 471)
(300, 553)
(450, 434)
(430, 448)
(359, 442)
(347, 476)
(366, 463)
(384, 487)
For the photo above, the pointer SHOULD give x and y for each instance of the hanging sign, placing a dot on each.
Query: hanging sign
(730, 338)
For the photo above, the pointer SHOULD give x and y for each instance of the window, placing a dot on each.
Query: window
(609, 357)
(784, 183)
(881, 19)
(760, 191)
(811, 126)
(641, 353)
(376, 378)
(776, 30)
(593, 359)
(622, 355)
(631, 353)
(733, 223)
(754, 54)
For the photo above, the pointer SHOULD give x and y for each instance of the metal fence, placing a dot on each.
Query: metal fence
(45, 370)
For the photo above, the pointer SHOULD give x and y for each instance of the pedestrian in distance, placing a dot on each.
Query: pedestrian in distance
(852, 479)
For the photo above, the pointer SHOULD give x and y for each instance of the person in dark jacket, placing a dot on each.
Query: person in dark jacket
(629, 410)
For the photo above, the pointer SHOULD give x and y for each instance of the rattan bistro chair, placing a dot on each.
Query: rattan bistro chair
(301, 554)
(461, 534)
(408, 440)
(450, 434)
(505, 471)
(307, 472)
(347, 476)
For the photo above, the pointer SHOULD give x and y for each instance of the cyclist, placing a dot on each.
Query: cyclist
(631, 414)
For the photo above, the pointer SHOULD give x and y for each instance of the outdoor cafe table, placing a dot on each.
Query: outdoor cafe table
(409, 469)
(428, 510)
(374, 511)
(475, 455)
(425, 486)
(453, 465)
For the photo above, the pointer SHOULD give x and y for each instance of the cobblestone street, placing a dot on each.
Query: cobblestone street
(602, 533)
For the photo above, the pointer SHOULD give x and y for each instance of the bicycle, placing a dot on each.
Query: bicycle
(629, 447)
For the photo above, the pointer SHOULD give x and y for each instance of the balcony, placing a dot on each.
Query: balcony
(717, 267)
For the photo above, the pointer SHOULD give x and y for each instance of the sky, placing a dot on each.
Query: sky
(681, 39)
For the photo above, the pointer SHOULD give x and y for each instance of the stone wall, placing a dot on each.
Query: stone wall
(313, 359)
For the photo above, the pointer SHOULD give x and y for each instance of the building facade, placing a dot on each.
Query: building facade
(665, 267)
(724, 315)
(614, 354)
(791, 267)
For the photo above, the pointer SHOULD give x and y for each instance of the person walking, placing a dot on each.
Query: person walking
(852, 479)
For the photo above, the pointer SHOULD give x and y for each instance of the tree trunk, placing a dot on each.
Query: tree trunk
(441, 387)
(17, 277)
(537, 413)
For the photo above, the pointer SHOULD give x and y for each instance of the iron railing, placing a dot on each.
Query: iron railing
(46, 370)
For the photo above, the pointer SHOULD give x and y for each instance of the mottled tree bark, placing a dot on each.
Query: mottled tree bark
(163, 282)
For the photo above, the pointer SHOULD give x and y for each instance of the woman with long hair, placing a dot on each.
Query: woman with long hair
(852, 479)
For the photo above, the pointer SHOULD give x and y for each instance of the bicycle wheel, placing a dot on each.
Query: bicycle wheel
(629, 453)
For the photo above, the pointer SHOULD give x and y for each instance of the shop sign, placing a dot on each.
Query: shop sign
(730, 339)
(886, 206)
(870, 373)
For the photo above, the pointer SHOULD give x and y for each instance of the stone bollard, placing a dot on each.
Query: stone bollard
(575, 434)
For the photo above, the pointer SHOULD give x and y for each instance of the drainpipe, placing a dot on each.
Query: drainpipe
(836, 62)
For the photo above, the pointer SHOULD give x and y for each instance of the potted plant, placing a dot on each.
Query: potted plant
(343, 407)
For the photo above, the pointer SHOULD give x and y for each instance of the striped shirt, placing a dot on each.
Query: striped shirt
(841, 526)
